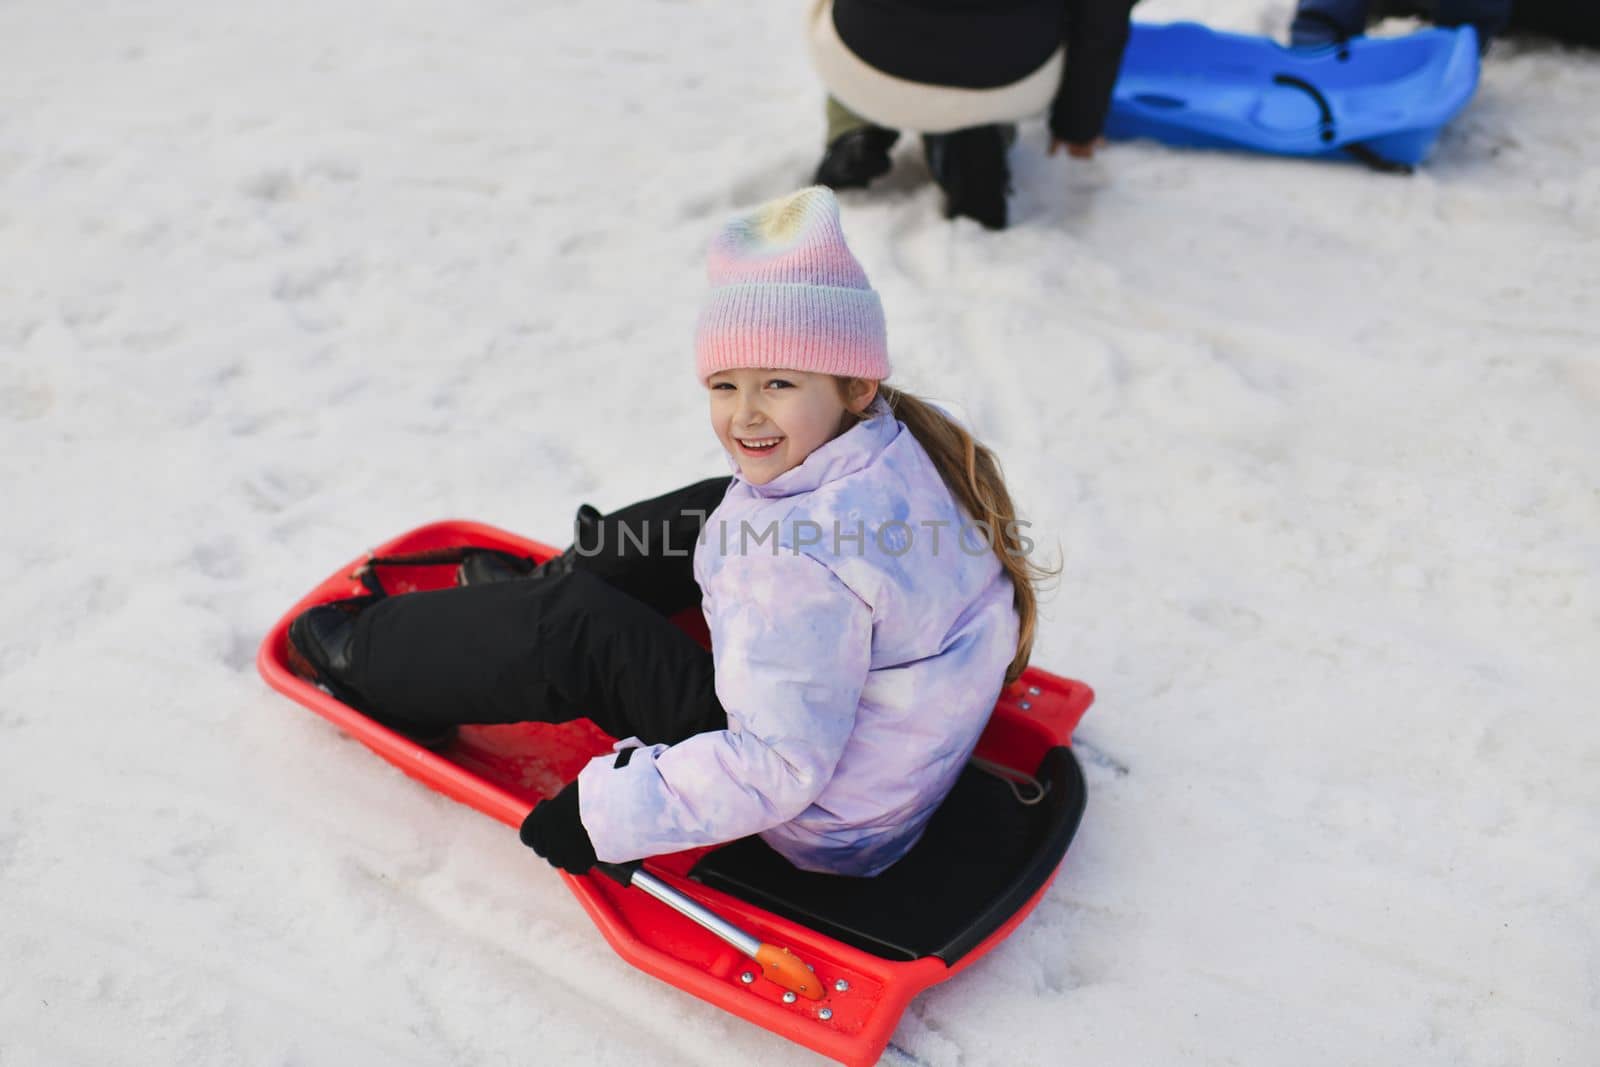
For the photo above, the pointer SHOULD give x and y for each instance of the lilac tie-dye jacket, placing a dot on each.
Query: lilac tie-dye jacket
(859, 649)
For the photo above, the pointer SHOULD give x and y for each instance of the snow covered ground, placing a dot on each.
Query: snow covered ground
(1319, 447)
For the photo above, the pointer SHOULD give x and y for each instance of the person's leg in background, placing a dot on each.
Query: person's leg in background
(1570, 21)
(1323, 22)
(970, 165)
(857, 151)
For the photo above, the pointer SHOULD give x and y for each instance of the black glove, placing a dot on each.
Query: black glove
(554, 830)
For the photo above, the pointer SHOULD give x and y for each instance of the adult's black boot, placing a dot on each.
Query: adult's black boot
(321, 650)
(970, 166)
(856, 157)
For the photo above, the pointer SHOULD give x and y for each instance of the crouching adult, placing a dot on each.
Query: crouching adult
(962, 73)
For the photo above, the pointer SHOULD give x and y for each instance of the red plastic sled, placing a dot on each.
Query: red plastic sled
(876, 943)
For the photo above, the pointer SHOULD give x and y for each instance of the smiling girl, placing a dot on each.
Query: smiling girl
(855, 654)
(770, 421)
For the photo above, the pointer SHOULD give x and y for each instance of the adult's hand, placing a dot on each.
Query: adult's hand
(1077, 149)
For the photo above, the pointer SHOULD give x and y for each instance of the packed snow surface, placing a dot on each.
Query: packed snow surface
(1318, 448)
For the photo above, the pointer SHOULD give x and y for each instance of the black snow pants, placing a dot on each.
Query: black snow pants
(592, 642)
(1571, 21)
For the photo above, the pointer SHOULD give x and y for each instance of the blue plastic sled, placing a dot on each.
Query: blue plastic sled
(1381, 100)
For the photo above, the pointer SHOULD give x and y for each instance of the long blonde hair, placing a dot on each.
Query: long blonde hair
(972, 473)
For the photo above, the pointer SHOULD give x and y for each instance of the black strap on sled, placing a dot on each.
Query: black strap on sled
(454, 555)
(1329, 134)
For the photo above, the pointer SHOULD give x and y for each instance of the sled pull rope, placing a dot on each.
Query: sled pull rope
(1014, 778)
(779, 965)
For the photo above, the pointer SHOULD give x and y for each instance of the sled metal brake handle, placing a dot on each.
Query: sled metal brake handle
(777, 964)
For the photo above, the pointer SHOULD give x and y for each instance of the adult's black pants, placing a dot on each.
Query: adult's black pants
(589, 639)
(1572, 21)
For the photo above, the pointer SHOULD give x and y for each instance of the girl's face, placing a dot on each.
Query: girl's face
(771, 420)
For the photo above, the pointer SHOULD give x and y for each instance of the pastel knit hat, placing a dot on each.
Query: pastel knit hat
(786, 293)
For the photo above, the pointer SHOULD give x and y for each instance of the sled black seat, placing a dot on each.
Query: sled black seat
(983, 856)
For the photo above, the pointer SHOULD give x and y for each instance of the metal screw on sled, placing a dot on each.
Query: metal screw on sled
(789, 997)
(747, 978)
(1033, 690)
(841, 986)
(1025, 705)
(825, 1014)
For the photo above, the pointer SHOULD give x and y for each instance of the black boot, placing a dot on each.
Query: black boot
(321, 641)
(487, 566)
(856, 157)
(970, 166)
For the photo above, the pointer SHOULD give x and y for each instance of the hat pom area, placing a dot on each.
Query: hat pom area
(787, 293)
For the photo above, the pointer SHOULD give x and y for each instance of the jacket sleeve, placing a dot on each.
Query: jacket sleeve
(1095, 33)
(792, 648)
